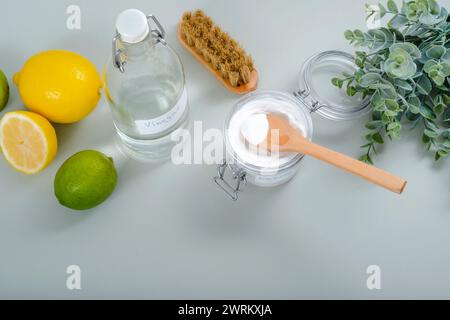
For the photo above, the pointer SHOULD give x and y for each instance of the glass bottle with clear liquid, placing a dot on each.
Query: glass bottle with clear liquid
(145, 88)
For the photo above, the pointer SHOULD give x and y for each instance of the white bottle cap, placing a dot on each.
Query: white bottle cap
(132, 26)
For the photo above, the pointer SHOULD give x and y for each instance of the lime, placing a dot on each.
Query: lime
(4, 90)
(85, 180)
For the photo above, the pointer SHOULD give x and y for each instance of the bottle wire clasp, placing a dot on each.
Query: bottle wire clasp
(158, 34)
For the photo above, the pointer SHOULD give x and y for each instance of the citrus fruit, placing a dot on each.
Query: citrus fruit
(85, 180)
(62, 86)
(28, 141)
(4, 90)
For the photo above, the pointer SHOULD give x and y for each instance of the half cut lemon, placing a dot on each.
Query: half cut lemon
(28, 141)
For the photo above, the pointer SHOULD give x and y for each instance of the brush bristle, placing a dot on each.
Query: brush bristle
(216, 47)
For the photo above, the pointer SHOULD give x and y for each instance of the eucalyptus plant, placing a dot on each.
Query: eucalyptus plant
(404, 68)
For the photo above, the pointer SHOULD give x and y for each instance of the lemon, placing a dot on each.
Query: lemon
(85, 180)
(4, 90)
(28, 141)
(62, 86)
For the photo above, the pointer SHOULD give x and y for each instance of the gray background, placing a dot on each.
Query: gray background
(167, 232)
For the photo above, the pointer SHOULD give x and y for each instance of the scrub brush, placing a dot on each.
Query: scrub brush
(218, 52)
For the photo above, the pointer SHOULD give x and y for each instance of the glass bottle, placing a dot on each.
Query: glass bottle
(145, 88)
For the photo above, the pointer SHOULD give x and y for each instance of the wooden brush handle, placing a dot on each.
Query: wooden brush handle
(359, 168)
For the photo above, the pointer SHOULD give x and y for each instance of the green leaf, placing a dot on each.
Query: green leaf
(392, 6)
(377, 138)
(403, 84)
(358, 35)
(387, 90)
(373, 125)
(436, 52)
(414, 104)
(351, 91)
(439, 105)
(337, 82)
(382, 86)
(398, 22)
(430, 133)
(446, 99)
(391, 113)
(439, 79)
(424, 85)
(431, 125)
(426, 112)
(380, 39)
(400, 64)
(445, 69)
(434, 7)
(369, 79)
(366, 159)
(394, 126)
(439, 108)
(446, 116)
(393, 129)
(360, 58)
(441, 153)
(348, 34)
(431, 65)
(429, 19)
(392, 105)
(411, 48)
(377, 100)
(446, 56)
(385, 118)
(383, 10)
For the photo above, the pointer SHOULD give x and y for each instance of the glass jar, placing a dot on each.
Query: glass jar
(262, 170)
(145, 88)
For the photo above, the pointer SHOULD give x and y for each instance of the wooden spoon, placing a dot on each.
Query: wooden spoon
(283, 137)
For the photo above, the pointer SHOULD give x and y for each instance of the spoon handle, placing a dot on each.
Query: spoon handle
(359, 168)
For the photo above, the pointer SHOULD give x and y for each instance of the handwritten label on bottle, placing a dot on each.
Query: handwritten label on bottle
(165, 121)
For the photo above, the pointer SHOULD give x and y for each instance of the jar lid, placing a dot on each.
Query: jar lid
(319, 95)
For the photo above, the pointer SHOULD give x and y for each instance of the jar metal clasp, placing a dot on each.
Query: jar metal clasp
(308, 101)
(231, 188)
(158, 33)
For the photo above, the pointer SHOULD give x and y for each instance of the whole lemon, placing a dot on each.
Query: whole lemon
(62, 86)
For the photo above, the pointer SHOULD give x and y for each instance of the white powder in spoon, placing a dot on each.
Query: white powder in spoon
(249, 126)
(255, 129)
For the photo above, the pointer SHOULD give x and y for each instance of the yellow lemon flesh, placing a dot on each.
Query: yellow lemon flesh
(28, 141)
(62, 86)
